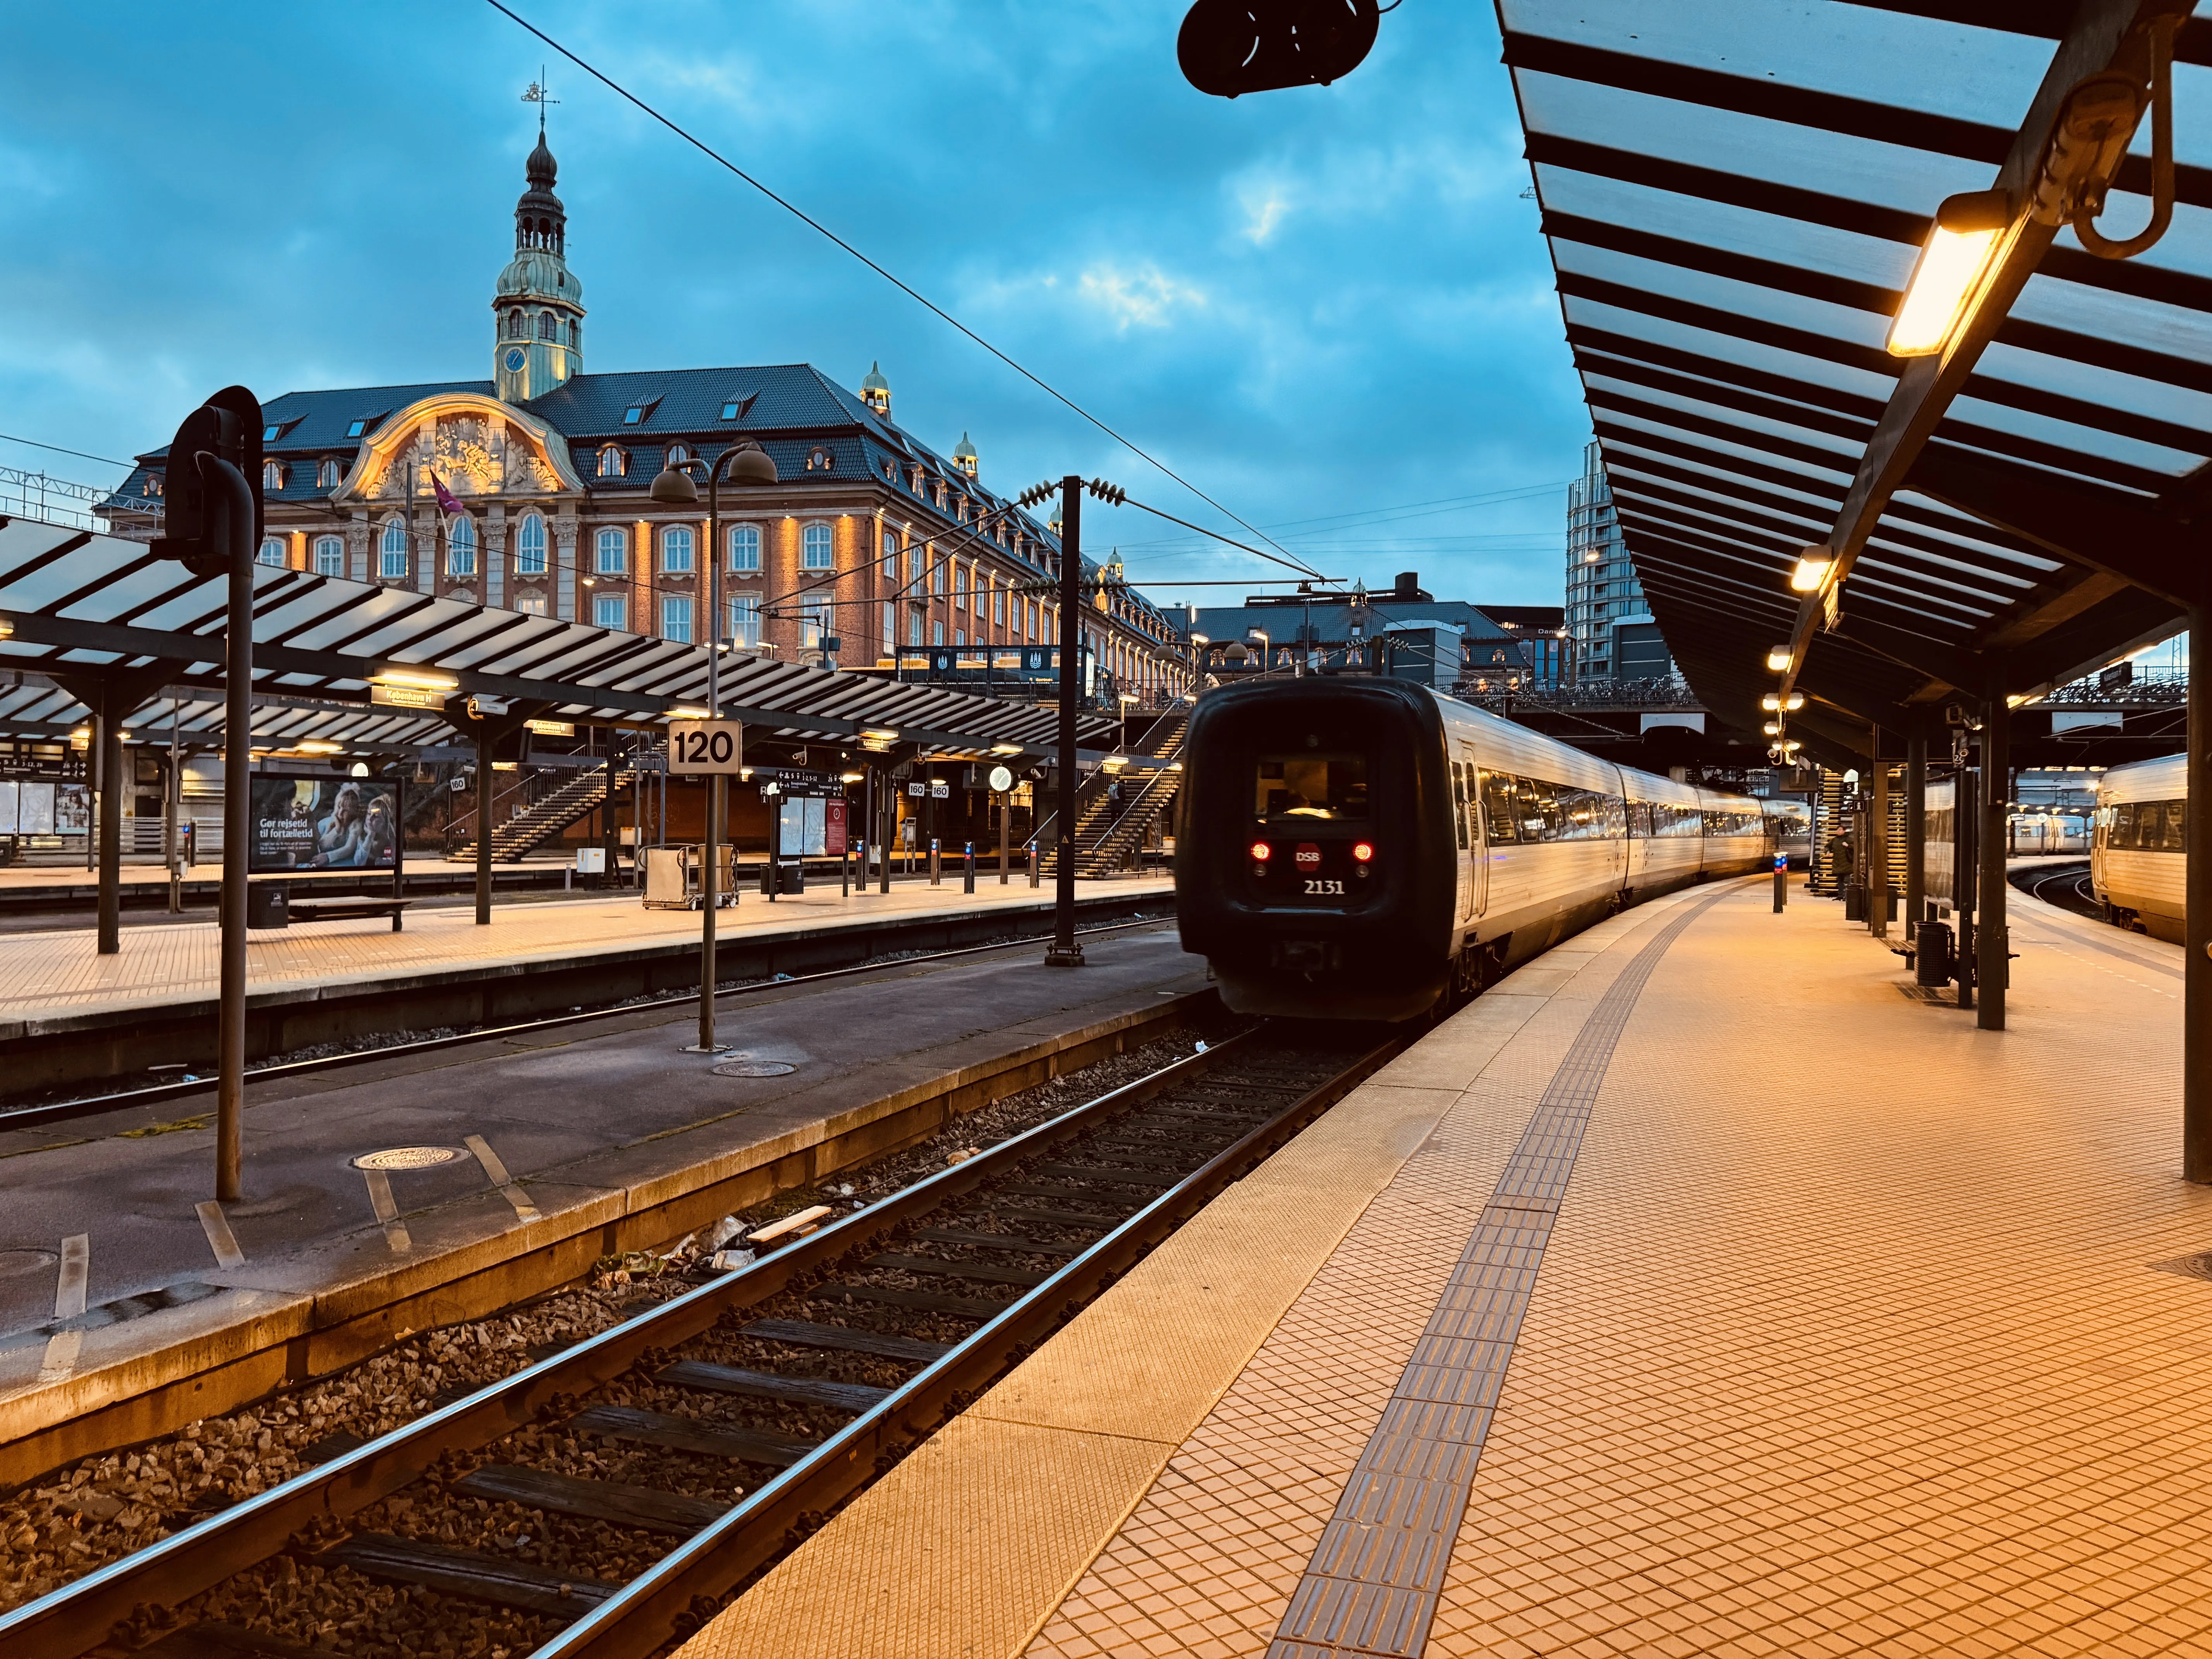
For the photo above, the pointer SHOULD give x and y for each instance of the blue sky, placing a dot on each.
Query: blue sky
(1318, 305)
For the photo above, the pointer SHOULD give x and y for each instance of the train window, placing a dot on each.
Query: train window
(1312, 786)
(2177, 827)
(2123, 824)
(1498, 807)
(1539, 810)
(1459, 801)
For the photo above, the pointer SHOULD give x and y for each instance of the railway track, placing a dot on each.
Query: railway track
(606, 1499)
(31, 1115)
(2066, 885)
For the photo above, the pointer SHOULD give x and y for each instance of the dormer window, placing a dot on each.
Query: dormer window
(155, 483)
(366, 424)
(329, 474)
(639, 413)
(736, 407)
(614, 461)
(272, 474)
(678, 453)
(820, 461)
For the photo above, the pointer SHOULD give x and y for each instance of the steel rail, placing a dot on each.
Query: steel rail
(154, 1094)
(644, 1613)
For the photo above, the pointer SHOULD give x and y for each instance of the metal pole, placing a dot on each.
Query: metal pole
(969, 875)
(484, 822)
(708, 976)
(230, 503)
(173, 806)
(1878, 844)
(1915, 832)
(1006, 819)
(1064, 952)
(887, 828)
(2197, 982)
(1965, 875)
(107, 735)
(1993, 939)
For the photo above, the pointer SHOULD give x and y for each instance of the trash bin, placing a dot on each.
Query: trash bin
(1931, 955)
(787, 876)
(268, 904)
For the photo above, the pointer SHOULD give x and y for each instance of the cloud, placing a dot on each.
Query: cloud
(1143, 298)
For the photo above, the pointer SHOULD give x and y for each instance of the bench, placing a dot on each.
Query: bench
(346, 909)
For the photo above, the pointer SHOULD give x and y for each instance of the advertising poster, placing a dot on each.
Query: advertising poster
(324, 823)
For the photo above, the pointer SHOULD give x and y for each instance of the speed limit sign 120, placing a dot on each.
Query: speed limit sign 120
(708, 748)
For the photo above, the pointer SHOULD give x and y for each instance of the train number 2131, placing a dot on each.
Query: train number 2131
(1317, 887)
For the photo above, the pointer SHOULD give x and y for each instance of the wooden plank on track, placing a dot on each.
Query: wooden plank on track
(688, 1434)
(983, 1272)
(595, 1500)
(806, 1334)
(767, 1385)
(465, 1572)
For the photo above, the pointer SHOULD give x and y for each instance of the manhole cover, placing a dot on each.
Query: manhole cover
(406, 1157)
(753, 1068)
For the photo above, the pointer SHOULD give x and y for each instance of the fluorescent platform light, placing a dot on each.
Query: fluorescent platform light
(425, 678)
(1777, 660)
(1944, 281)
(1812, 570)
(688, 713)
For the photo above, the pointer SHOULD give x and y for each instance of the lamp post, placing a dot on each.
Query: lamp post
(747, 464)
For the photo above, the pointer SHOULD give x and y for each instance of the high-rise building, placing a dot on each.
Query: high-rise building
(1610, 627)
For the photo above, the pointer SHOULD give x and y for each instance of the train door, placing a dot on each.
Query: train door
(1474, 865)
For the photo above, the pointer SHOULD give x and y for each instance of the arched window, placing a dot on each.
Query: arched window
(678, 453)
(330, 556)
(676, 551)
(575, 332)
(329, 475)
(391, 552)
(891, 551)
(817, 554)
(155, 483)
(530, 547)
(820, 461)
(272, 474)
(744, 547)
(614, 461)
(272, 552)
(613, 550)
(461, 547)
(959, 587)
(547, 322)
(515, 328)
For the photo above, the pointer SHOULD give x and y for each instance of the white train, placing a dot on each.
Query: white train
(2138, 859)
(1358, 848)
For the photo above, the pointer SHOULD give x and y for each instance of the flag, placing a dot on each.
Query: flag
(445, 501)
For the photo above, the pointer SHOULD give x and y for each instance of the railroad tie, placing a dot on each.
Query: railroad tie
(998, 1242)
(983, 1272)
(595, 1500)
(687, 1434)
(960, 1307)
(806, 1334)
(465, 1572)
(767, 1385)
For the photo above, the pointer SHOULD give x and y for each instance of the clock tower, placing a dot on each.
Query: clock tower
(538, 307)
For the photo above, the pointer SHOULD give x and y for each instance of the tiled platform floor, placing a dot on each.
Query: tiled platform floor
(60, 972)
(1851, 1338)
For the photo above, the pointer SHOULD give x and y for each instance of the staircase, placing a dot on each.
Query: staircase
(1108, 835)
(545, 817)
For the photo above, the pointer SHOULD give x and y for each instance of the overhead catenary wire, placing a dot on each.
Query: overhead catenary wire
(83, 455)
(927, 304)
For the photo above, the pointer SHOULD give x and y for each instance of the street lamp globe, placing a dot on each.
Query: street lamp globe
(673, 487)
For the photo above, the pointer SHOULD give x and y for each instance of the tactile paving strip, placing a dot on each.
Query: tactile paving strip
(1372, 1584)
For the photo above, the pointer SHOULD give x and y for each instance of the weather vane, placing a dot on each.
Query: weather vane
(537, 94)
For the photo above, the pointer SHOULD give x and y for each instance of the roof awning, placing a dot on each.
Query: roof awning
(82, 609)
(1735, 195)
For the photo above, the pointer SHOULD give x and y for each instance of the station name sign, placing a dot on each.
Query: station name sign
(407, 697)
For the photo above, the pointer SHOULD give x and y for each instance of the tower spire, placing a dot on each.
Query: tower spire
(538, 304)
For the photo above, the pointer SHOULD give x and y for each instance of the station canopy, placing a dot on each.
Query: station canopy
(1735, 195)
(86, 618)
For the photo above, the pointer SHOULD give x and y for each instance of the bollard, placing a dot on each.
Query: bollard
(936, 865)
(968, 878)
(1781, 882)
(845, 873)
(1033, 864)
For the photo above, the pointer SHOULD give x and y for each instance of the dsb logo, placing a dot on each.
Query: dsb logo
(1308, 856)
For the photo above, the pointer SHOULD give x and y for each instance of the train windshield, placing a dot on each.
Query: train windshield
(1312, 786)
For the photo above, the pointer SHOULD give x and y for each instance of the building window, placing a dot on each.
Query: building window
(818, 621)
(997, 606)
(614, 552)
(890, 627)
(818, 555)
(530, 547)
(548, 326)
(391, 552)
(1025, 619)
(272, 474)
(272, 552)
(531, 605)
(329, 475)
(675, 548)
(891, 547)
(614, 461)
(746, 619)
(330, 556)
(609, 611)
(959, 638)
(914, 562)
(678, 454)
(744, 547)
(821, 460)
(913, 628)
(936, 633)
(461, 549)
(515, 329)
(675, 619)
(936, 579)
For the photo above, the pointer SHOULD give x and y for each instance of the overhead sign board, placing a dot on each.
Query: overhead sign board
(321, 822)
(706, 748)
(552, 728)
(407, 697)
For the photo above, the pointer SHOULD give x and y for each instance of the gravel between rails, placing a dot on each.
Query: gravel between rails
(99, 1510)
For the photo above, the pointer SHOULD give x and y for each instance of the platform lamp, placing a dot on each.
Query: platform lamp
(747, 463)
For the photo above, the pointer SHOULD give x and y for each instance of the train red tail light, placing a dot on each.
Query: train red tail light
(1362, 851)
(1262, 852)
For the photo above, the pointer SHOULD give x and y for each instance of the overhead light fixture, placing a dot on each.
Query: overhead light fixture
(1777, 660)
(1773, 728)
(852, 777)
(1006, 749)
(880, 733)
(7, 628)
(1812, 570)
(1948, 276)
(1774, 702)
(425, 678)
(688, 713)
(318, 746)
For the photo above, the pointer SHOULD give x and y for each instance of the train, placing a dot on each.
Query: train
(1372, 849)
(2138, 858)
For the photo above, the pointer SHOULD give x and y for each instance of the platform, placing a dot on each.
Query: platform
(605, 1135)
(1697, 1291)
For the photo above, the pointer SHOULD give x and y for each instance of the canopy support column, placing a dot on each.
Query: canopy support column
(1878, 887)
(2196, 985)
(1916, 829)
(1993, 947)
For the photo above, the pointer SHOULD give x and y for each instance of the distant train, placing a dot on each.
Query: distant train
(1366, 849)
(2138, 856)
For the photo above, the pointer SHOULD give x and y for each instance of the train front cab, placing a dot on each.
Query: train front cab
(1316, 863)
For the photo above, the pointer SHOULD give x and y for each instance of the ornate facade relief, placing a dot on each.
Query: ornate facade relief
(479, 448)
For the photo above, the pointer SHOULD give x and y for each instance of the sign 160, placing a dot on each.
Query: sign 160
(705, 747)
